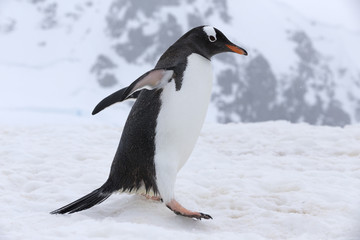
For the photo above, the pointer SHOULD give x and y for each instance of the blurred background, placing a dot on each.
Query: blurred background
(58, 59)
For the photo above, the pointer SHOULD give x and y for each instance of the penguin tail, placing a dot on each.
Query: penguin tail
(95, 197)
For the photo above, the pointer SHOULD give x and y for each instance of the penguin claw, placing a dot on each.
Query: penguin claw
(197, 216)
(201, 216)
(205, 216)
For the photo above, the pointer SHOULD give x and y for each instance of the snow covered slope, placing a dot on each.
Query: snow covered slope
(271, 180)
(64, 56)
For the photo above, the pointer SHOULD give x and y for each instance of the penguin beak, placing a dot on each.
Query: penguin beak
(237, 49)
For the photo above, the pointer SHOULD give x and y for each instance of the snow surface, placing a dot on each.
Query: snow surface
(272, 180)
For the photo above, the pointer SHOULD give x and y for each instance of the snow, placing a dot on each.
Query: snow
(272, 180)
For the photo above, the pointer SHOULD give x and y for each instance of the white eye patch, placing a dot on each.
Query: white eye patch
(210, 31)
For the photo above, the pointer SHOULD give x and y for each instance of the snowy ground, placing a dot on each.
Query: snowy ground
(272, 180)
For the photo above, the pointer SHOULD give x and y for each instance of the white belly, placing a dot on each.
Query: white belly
(180, 120)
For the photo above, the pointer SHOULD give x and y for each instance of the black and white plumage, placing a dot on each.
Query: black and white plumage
(164, 122)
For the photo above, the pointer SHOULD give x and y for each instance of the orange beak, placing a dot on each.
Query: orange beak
(237, 49)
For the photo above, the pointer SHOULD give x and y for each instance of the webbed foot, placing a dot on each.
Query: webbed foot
(176, 207)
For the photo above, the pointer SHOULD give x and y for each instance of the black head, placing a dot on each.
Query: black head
(209, 41)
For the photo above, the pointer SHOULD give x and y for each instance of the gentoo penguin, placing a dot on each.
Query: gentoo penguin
(164, 122)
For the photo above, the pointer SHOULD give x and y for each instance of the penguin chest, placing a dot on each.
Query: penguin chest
(182, 114)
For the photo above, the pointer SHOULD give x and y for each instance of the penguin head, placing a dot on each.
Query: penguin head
(209, 41)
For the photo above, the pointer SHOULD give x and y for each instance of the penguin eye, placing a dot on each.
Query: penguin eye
(212, 38)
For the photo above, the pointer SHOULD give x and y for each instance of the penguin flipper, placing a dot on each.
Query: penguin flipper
(113, 98)
(150, 80)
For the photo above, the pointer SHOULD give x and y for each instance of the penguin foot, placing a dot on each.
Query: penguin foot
(176, 207)
(154, 198)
